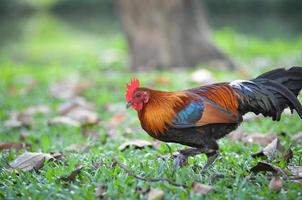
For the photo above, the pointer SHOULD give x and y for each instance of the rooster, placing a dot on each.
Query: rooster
(200, 116)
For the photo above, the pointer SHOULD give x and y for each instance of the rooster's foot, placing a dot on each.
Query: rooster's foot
(182, 156)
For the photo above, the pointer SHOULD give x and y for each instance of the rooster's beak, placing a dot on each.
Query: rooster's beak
(129, 104)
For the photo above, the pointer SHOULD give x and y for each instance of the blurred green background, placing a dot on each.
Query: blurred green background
(87, 33)
(46, 41)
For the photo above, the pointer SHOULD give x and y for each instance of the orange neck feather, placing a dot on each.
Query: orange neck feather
(160, 110)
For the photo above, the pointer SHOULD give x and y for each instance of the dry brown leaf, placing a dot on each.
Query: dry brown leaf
(63, 121)
(100, 191)
(296, 171)
(202, 76)
(16, 146)
(275, 184)
(297, 137)
(258, 138)
(288, 155)
(64, 108)
(271, 149)
(18, 119)
(201, 188)
(37, 109)
(296, 174)
(138, 143)
(76, 147)
(156, 194)
(236, 135)
(79, 110)
(68, 88)
(72, 176)
(266, 167)
(29, 161)
(83, 116)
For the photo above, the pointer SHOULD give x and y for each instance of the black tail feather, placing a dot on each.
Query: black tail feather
(271, 92)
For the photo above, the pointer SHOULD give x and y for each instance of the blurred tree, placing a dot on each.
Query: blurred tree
(168, 33)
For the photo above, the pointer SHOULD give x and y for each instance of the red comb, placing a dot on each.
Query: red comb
(131, 87)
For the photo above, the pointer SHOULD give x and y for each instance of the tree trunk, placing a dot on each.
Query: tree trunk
(168, 33)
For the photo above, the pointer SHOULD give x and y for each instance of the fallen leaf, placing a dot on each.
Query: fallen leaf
(156, 194)
(258, 138)
(83, 116)
(201, 188)
(288, 155)
(64, 108)
(138, 143)
(18, 119)
(236, 135)
(72, 176)
(202, 76)
(271, 149)
(37, 109)
(275, 184)
(295, 170)
(57, 155)
(266, 167)
(16, 146)
(29, 161)
(100, 191)
(68, 88)
(63, 121)
(297, 137)
(79, 110)
(76, 147)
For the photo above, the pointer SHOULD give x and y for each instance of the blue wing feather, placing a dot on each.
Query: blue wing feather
(189, 115)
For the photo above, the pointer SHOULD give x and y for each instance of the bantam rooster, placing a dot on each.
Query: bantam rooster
(198, 117)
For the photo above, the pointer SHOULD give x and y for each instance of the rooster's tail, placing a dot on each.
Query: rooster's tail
(271, 92)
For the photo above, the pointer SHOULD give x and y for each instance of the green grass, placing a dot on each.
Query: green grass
(51, 50)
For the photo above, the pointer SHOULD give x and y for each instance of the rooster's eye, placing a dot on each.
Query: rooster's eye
(138, 95)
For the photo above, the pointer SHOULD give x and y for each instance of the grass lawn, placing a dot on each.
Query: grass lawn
(50, 51)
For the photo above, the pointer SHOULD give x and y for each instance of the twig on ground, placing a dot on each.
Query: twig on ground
(131, 173)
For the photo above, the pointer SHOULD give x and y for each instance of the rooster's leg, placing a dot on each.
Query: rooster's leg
(211, 151)
(211, 158)
(182, 158)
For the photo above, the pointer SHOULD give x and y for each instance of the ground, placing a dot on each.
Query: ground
(50, 51)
